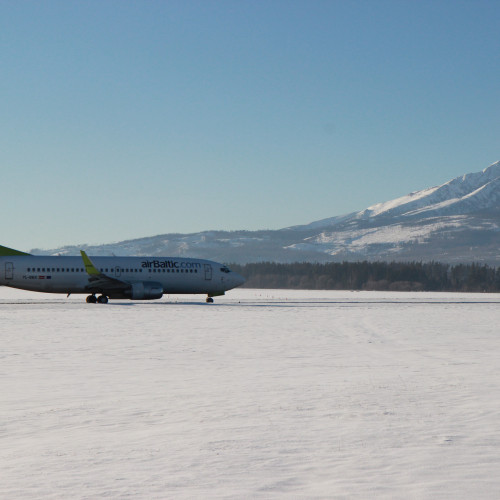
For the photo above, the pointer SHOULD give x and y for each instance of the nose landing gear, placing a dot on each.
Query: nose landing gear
(211, 295)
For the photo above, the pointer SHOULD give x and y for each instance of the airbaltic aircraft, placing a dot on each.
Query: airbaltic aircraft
(134, 278)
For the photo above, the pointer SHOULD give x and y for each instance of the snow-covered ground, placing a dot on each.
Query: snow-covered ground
(264, 394)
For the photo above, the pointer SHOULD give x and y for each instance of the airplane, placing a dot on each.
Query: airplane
(134, 278)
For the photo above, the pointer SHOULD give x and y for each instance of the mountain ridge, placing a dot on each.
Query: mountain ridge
(458, 221)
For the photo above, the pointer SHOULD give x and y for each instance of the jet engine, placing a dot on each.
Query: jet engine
(146, 290)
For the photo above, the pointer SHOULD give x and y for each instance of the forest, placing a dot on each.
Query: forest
(394, 276)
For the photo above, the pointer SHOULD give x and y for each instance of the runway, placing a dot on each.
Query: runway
(264, 394)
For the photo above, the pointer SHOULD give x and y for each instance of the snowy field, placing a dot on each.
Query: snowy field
(264, 394)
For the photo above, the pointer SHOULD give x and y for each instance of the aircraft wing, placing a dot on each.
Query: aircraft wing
(100, 282)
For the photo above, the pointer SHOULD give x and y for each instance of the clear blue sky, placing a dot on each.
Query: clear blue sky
(122, 119)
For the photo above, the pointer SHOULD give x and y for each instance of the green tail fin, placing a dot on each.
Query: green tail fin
(7, 252)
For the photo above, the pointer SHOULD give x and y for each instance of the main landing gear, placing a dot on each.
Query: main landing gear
(92, 299)
(210, 300)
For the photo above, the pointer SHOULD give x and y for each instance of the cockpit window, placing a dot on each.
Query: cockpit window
(225, 269)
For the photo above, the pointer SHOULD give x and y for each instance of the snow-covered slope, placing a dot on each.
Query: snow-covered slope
(477, 191)
(456, 221)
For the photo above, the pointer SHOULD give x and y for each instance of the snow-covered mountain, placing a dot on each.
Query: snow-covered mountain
(458, 221)
(465, 194)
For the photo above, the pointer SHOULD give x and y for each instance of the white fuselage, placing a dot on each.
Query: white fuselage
(68, 275)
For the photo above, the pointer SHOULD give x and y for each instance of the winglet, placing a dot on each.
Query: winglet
(89, 267)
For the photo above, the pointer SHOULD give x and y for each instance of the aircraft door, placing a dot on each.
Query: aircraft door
(9, 271)
(208, 272)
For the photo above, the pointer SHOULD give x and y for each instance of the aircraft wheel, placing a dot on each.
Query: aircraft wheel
(91, 299)
(210, 300)
(102, 299)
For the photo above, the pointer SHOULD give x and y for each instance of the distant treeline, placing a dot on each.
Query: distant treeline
(396, 276)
